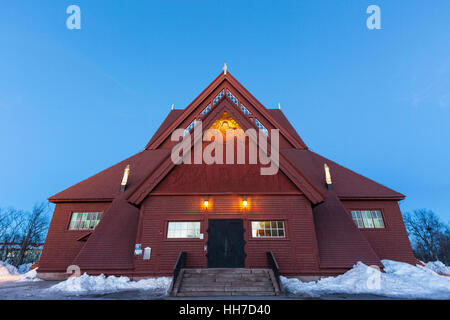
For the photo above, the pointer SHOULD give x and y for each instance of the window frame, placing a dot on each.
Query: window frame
(373, 221)
(81, 212)
(285, 224)
(166, 231)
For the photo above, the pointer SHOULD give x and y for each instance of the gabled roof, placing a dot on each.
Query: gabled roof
(171, 117)
(303, 167)
(105, 186)
(279, 115)
(295, 174)
(347, 184)
(227, 81)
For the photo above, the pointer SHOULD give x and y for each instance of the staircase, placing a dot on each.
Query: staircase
(225, 282)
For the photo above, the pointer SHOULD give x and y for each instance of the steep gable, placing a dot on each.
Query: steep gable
(293, 173)
(225, 86)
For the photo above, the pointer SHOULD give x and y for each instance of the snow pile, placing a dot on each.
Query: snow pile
(438, 267)
(22, 273)
(29, 276)
(400, 280)
(7, 270)
(86, 284)
(24, 268)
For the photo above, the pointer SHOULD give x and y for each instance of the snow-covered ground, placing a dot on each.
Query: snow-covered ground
(11, 273)
(399, 280)
(86, 284)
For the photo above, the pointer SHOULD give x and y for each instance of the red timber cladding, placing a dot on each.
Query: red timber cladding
(296, 254)
(62, 245)
(221, 178)
(392, 242)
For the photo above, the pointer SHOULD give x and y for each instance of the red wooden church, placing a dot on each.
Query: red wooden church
(315, 217)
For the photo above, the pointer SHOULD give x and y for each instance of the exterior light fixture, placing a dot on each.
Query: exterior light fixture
(126, 174)
(244, 202)
(206, 202)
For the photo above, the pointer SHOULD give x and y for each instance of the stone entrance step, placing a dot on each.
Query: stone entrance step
(225, 282)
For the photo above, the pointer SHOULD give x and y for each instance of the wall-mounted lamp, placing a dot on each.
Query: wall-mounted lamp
(206, 202)
(244, 202)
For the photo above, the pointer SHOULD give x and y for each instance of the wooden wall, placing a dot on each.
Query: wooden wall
(296, 254)
(392, 241)
(61, 245)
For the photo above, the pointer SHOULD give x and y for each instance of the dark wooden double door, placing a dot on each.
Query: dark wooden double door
(226, 243)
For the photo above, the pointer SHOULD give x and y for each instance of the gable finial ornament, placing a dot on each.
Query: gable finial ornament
(172, 106)
(225, 68)
(279, 106)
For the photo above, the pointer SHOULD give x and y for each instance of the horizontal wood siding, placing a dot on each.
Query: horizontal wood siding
(296, 254)
(61, 245)
(391, 242)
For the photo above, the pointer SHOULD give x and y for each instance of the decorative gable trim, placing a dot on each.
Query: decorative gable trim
(231, 83)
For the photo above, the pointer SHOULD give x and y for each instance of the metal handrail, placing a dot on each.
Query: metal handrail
(273, 264)
(179, 265)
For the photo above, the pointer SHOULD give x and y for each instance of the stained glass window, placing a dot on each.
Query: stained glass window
(218, 97)
(261, 127)
(206, 110)
(189, 127)
(244, 110)
(232, 98)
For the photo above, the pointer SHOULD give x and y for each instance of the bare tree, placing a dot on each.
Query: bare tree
(12, 222)
(429, 236)
(34, 232)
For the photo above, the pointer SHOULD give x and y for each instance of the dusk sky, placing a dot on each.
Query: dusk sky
(74, 102)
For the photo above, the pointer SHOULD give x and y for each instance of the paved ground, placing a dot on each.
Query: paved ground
(38, 291)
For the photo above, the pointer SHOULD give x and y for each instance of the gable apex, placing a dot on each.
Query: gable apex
(225, 86)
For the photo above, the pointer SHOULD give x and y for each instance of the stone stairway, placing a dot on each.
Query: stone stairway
(225, 282)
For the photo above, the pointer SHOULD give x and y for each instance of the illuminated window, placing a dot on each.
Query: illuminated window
(232, 98)
(84, 220)
(268, 229)
(218, 97)
(261, 127)
(206, 110)
(244, 110)
(368, 219)
(183, 230)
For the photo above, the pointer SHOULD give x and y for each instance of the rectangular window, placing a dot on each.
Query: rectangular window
(368, 219)
(84, 220)
(356, 215)
(268, 229)
(183, 230)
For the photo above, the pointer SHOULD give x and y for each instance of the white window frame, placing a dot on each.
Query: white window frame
(255, 228)
(175, 229)
(85, 216)
(371, 219)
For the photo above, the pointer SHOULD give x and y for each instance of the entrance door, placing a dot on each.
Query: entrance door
(226, 244)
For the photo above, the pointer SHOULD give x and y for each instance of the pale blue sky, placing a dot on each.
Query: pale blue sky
(73, 102)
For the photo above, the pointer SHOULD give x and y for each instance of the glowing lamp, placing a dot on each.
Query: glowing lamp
(244, 202)
(205, 202)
